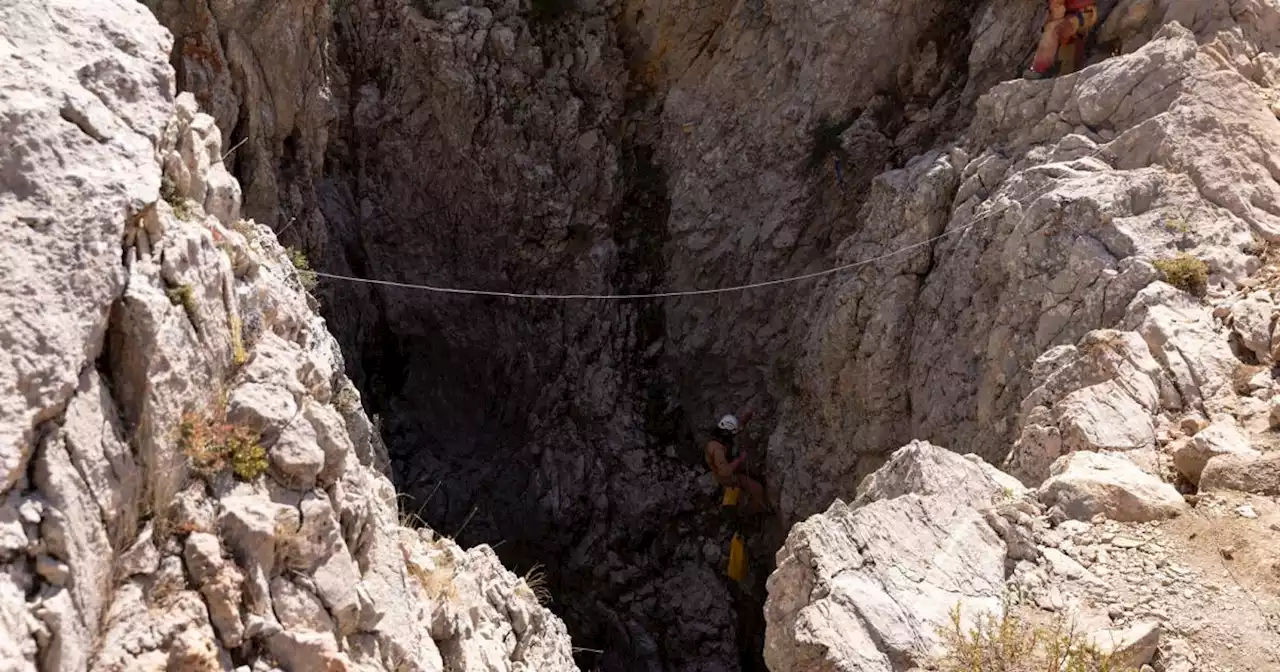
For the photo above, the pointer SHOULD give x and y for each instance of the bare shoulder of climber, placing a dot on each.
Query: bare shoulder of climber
(725, 459)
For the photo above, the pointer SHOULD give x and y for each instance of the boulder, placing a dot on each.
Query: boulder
(1184, 338)
(1251, 320)
(332, 437)
(1083, 485)
(1130, 647)
(86, 89)
(265, 408)
(1220, 438)
(1257, 473)
(296, 456)
(866, 588)
(298, 608)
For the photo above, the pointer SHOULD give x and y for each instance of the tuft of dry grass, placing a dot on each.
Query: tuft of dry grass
(437, 581)
(536, 581)
(239, 355)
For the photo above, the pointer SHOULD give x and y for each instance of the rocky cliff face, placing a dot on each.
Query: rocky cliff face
(632, 146)
(1140, 413)
(189, 477)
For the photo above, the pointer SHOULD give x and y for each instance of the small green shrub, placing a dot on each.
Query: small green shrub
(183, 208)
(248, 457)
(306, 276)
(1177, 225)
(1007, 643)
(183, 295)
(1185, 272)
(212, 445)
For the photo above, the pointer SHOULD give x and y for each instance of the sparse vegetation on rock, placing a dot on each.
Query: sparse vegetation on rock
(1185, 272)
(306, 276)
(1006, 642)
(213, 445)
(183, 295)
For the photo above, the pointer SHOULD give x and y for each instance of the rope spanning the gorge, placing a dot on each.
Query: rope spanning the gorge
(648, 295)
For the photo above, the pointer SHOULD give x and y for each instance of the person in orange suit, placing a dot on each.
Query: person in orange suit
(1069, 20)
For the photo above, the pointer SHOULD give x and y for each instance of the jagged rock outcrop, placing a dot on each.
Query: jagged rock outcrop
(1067, 193)
(190, 480)
(259, 69)
(870, 587)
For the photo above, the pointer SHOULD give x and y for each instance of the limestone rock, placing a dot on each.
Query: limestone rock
(297, 456)
(925, 469)
(1184, 338)
(85, 108)
(333, 439)
(248, 524)
(142, 557)
(203, 555)
(856, 589)
(1220, 438)
(1133, 646)
(297, 608)
(1099, 395)
(129, 230)
(265, 408)
(307, 651)
(219, 582)
(1257, 473)
(1085, 484)
(1252, 319)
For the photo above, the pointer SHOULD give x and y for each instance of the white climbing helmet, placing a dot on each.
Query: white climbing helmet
(729, 423)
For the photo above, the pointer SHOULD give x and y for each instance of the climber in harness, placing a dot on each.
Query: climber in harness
(1068, 24)
(725, 459)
